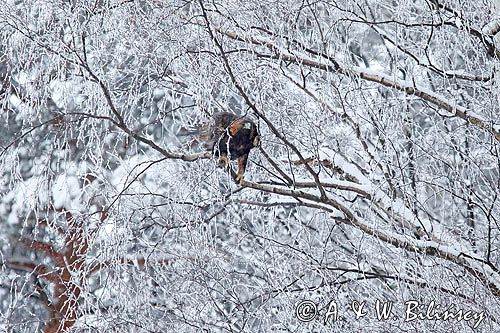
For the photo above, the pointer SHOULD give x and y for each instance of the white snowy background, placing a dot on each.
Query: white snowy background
(377, 177)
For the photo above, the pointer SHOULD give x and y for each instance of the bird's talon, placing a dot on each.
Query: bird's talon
(240, 179)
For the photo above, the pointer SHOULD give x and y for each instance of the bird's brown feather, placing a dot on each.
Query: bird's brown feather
(231, 137)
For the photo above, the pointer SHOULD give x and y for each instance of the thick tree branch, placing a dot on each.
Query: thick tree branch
(483, 270)
(379, 78)
(249, 102)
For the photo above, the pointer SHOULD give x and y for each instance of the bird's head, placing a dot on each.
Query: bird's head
(254, 132)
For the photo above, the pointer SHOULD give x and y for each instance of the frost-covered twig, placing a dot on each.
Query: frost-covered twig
(409, 89)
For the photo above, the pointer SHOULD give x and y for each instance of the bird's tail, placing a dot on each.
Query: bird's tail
(183, 131)
(200, 135)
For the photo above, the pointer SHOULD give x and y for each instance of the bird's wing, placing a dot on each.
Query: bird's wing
(236, 125)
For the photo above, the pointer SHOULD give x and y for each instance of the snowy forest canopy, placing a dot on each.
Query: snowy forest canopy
(376, 178)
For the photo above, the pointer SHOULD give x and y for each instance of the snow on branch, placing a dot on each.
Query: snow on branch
(335, 66)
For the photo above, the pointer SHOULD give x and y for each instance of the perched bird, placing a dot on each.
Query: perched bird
(231, 137)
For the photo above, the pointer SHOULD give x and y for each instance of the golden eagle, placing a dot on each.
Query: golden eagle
(231, 137)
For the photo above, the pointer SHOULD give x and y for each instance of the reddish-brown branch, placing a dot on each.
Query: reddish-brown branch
(48, 249)
(67, 276)
(40, 270)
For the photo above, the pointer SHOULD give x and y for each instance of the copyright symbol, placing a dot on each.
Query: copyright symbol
(306, 311)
